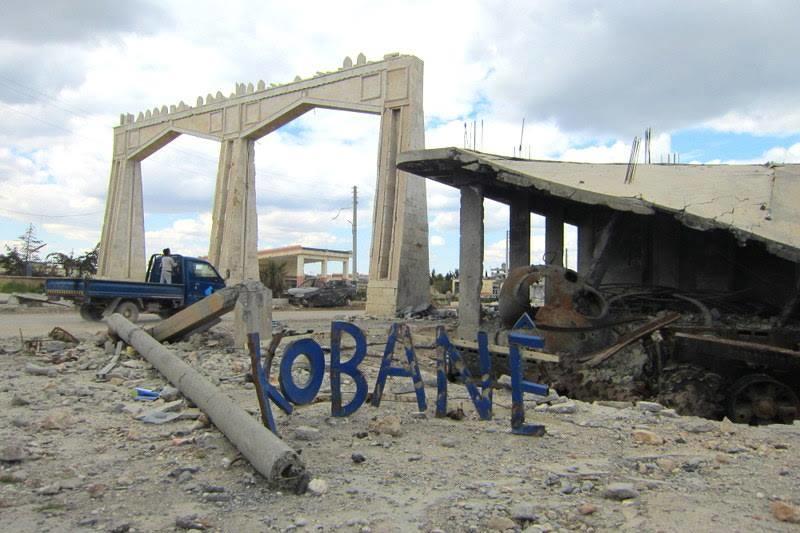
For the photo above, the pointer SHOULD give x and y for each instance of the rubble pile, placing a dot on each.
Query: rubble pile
(123, 450)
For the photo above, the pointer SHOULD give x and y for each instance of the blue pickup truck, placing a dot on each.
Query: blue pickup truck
(193, 280)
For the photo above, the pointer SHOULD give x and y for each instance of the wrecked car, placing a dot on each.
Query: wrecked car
(316, 292)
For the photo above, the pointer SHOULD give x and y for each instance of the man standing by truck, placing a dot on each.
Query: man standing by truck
(167, 266)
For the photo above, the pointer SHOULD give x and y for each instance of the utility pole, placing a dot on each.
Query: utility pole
(355, 234)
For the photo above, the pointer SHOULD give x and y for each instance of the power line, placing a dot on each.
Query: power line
(54, 102)
(272, 174)
(49, 216)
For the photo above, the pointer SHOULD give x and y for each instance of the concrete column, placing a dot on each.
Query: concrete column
(398, 269)
(554, 238)
(519, 226)
(585, 246)
(324, 268)
(553, 242)
(252, 313)
(470, 261)
(345, 268)
(301, 266)
(122, 251)
(666, 251)
(234, 239)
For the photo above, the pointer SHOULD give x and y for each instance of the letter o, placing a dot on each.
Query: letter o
(302, 395)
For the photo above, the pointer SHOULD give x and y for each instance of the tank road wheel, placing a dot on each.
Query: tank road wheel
(90, 313)
(129, 310)
(761, 399)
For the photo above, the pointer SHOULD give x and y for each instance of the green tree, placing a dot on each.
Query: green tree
(273, 276)
(68, 262)
(12, 262)
(441, 283)
(87, 263)
(31, 245)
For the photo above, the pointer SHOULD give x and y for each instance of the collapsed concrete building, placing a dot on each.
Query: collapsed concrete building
(706, 255)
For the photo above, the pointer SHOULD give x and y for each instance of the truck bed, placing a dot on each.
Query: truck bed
(80, 289)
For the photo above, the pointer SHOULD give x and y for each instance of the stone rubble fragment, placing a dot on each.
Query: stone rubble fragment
(317, 487)
(388, 425)
(306, 433)
(620, 491)
(644, 436)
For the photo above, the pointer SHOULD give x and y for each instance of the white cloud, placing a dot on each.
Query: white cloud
(783, 155)
(187, 236)
(494, 254)
(585, 80)
(447, 220)
(615, 68)
(776, 154)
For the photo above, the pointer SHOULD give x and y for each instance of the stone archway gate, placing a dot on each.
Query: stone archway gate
(391, 88)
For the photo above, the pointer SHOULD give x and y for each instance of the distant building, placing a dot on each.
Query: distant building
(490, 286)
(296, 257)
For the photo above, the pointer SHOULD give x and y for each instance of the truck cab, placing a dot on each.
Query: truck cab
(199, 277)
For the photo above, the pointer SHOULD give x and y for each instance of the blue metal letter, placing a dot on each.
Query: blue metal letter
(263, 387)
(481, 400)
(520, 386)
(316, 359)
(412, 371)
(349, 367)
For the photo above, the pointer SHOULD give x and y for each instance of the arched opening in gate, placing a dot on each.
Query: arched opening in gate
(178, 184)
(305, 174)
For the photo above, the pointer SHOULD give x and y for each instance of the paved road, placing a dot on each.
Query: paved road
(34, 324)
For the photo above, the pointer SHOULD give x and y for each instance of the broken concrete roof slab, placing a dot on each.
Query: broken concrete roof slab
(758, 202)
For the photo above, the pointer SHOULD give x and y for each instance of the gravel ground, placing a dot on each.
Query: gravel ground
(74, 456)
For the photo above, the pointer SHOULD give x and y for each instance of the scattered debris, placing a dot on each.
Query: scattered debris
(644, 436)
(388, 425)
(60, 334)
(456, 414)
(620, 491)
(306, 433)
(358, 458)
(145, 395)
(35, 300)
(37, 370)
(102, 374)
(192, 522)
(317, 487)
(79, 445)
(13, 453)
(167, 413)
(785, 512)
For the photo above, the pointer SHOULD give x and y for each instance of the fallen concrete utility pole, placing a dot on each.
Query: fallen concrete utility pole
(270, 456)
(197, 316)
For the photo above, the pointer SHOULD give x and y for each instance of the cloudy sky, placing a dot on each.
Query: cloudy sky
(716, 80)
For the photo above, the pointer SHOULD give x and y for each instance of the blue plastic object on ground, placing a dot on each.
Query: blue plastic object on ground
(146, 395)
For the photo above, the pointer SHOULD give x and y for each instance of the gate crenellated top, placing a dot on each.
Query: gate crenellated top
(253, 111)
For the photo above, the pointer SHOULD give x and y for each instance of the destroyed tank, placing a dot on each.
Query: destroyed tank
(701, 353)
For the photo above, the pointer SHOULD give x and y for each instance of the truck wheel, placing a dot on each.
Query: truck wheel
(129, 310)
(91, 314)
